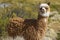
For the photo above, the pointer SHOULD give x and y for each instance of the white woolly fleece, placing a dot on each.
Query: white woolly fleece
(45, 14)
(44, 5)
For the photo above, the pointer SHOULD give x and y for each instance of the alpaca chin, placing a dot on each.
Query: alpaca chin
(45, 14)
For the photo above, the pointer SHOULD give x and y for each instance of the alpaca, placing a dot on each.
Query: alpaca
(30, 29)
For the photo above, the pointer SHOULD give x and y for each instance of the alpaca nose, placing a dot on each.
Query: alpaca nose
(42, 9)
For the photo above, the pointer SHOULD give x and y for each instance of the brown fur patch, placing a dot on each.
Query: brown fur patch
(30, 29)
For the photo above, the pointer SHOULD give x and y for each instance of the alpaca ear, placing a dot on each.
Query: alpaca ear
(48, 3)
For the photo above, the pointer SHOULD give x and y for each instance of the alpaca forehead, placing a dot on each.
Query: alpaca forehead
(44, 5)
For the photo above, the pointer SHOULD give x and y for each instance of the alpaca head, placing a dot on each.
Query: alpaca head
(44, 9)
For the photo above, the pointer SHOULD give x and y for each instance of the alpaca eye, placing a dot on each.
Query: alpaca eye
(40, 8)
(46, 8)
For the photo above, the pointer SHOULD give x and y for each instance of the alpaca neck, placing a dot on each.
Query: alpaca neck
(42, 21)
(42, 25)
(43, 17)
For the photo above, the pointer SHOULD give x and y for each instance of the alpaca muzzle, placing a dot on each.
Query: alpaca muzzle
(42, 10)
